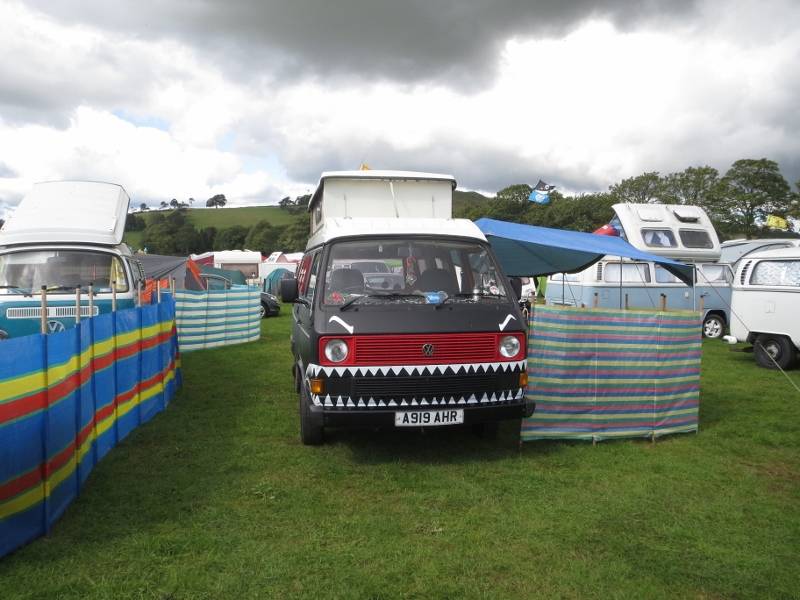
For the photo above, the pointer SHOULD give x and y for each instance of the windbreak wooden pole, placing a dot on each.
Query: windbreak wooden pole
(91, 300)
(43, 313)
(663, 302)
(77, 306)
(113, 295)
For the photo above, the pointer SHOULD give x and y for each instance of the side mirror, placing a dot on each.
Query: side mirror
(289, 290)
(516, 286)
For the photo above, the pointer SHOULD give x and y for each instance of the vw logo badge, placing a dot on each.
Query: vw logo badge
(55, 326)
(428, 349)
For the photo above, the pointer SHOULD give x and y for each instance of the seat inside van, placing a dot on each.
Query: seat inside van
(437, 280)
(350, 281)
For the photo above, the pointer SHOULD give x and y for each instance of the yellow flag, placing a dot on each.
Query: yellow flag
(363, 167)
(777, 222)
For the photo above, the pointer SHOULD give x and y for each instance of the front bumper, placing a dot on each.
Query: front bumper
(370, 396)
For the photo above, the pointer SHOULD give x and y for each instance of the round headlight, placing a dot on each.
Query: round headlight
(509, 346)
(336, 350)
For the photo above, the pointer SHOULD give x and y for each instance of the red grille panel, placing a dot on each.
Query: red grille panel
(449, 348)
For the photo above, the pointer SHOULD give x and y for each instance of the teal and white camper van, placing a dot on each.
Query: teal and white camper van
(679, 232)
(65, 235)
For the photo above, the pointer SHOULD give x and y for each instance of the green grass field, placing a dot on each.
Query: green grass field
(217, 498)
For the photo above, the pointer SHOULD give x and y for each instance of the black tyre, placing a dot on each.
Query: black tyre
(262, 310)
(713, 327)
(311, 434)
(773, 351)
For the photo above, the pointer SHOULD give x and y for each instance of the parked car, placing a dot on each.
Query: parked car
(270, 306)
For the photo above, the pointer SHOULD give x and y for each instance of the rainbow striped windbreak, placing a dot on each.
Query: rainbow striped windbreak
(598, 373)
(66, 399)
(218, 317)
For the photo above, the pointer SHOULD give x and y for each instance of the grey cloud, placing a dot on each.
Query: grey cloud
(451, 41)
(474, 168)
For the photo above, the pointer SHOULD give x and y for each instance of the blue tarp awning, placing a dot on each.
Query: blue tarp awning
(525, 250)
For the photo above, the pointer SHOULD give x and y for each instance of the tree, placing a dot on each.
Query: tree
(217, 201)
(163, 205)
(135, 223)
(295, 236)
(2, 222)
(173, 203)
(751, 190)
(695, 186)
(231, 238)
(518, 193)
(143, 207)
(643, 189)
(285, 203)
(262, 237)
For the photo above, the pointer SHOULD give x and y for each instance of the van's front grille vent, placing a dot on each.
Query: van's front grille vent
(599, 271)
(53, 312)
(745, 269)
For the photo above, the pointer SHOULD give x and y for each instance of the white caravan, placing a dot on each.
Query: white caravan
(766, 306)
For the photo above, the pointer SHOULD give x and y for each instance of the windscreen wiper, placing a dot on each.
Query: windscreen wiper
(62, 288)
(481, 294)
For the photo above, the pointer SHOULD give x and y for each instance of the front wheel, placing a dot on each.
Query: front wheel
(311, 433)
(773, 351)
(262, 311)
(713, 327)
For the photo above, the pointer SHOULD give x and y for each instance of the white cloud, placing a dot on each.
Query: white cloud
(582, 110)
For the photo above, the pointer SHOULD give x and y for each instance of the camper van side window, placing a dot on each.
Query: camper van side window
(693, 238)
(715, 274)
(312, 277)
(659, 238)
(631, 273)
(777, 272)
(664, 276)
(303, 273)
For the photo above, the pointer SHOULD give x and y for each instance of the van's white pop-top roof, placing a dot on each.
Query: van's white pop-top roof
(69, 211)
(682, 232)
(381, 194)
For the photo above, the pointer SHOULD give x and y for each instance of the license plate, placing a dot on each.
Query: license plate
(428, 418)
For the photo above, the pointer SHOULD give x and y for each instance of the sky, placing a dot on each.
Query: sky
(255, 98)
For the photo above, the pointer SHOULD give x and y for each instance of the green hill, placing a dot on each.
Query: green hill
(221, 218)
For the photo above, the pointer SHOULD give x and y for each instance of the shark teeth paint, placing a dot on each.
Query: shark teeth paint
(345, 402)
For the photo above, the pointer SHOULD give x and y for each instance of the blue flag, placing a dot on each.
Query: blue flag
(541, 193)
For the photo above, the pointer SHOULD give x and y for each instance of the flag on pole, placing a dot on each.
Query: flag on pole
(541, 193)
(777, 222)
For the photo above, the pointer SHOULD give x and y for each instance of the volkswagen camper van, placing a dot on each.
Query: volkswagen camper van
(766, 306)
(402, 317)
(65, 235)
(679, 232)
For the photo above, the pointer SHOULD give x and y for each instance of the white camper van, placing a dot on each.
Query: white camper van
(65, 235)
(766, 306)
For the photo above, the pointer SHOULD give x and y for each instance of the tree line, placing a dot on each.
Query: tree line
(737, 202)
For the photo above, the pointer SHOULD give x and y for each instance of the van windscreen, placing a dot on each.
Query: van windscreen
(394, 270)
(61, 271)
